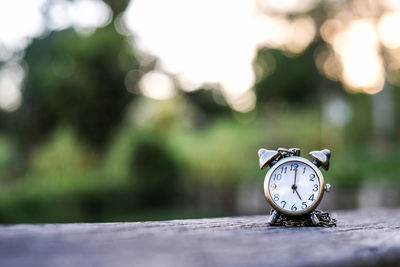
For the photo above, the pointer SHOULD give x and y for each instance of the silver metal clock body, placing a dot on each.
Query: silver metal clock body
(294, 186)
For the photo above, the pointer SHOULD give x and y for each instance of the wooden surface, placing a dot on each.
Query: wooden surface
(362, 237)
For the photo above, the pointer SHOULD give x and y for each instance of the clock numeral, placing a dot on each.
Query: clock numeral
(284, 169)
(293, 208)
(311, 197)
(276, 197)
(294, 166)
(283, 203)
(273, 186)
(312, 177)
(277, 177)
(304, 205)
(315, 187)
(304, 170)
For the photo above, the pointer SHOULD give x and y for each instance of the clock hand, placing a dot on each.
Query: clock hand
(298, 194)
(294, 186)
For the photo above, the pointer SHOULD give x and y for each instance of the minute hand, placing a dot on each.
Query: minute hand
(294, 187)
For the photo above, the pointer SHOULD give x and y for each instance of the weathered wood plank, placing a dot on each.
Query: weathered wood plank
(362, 237)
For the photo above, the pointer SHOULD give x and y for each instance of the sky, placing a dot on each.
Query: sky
(211, 42)
(198, 42)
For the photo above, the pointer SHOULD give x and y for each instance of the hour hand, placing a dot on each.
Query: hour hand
(298, 194)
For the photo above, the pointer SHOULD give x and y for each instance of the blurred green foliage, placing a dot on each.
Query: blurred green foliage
(156, 178)
(77, 81)
(83, 148)
(143, 170)
(291, 78)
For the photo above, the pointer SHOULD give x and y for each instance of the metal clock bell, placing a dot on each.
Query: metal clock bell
(294, 186)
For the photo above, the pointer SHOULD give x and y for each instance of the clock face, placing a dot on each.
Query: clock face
(294, 186)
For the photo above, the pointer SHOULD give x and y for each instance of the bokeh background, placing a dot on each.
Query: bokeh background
(121, 110)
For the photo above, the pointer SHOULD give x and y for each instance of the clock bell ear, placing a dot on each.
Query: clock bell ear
(266, 157)
(321, 158)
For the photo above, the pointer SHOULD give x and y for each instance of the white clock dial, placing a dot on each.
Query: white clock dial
(294, 186)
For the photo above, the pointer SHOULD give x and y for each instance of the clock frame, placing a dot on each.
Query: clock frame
(298, 212)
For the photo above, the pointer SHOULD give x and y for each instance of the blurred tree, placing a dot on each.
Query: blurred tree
(359, 130)
(292, 78)
(397, 114)
(117, 6)
(76, 80)
(206, 101)
(155, 173)
(2, 120)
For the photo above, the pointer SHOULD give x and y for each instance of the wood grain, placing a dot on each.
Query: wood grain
(361, 238)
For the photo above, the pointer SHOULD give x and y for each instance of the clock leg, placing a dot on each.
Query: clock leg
(314, 218)
(274, 216)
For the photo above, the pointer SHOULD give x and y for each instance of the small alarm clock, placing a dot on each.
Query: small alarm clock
(294, 186)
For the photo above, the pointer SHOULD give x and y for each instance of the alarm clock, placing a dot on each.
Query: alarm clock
(294, 186)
